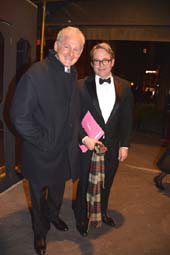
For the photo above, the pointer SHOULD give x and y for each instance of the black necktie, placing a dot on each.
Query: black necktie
(101, 81)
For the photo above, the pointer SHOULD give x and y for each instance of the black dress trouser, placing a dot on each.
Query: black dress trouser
(46, 203)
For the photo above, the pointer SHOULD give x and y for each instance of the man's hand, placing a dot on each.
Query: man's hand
(123, 153)
(90, 142)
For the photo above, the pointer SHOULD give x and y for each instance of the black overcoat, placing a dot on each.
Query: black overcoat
(45, 112)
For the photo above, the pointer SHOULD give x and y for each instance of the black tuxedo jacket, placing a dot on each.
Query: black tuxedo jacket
(118, 127)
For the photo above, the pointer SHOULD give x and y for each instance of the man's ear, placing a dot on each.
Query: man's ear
(91, 63)
(55, 46)
(113, 62)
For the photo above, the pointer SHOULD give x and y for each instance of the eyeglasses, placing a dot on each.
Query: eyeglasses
(97, 62)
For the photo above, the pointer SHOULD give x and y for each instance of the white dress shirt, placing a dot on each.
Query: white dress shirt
(106, 97)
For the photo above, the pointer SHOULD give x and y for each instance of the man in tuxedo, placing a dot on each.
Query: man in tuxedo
(109, 100)
(45, 113)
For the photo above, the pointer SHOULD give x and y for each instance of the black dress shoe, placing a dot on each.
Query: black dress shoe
(83, 229)
(158, 182)
(40, 245)
(108, 220)
(60, 225)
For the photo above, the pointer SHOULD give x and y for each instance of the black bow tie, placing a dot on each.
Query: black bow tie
(101, 81)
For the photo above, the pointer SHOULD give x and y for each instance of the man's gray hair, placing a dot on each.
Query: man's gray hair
(68, 31)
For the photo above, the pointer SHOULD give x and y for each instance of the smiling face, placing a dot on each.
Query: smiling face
(102, 63)
(69, 48)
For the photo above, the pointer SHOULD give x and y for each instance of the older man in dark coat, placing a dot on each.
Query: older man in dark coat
(45, 114)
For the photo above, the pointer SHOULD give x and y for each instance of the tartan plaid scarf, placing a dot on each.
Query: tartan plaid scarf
(96, 183)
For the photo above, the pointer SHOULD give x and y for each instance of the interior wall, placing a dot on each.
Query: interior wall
(18, 20)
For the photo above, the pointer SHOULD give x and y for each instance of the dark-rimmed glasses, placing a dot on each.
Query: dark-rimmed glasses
(97, 62)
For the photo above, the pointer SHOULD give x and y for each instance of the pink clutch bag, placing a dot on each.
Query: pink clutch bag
(92, 129)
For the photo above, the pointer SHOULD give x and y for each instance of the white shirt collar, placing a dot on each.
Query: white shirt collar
(67, 69)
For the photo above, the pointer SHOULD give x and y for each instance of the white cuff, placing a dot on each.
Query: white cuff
(84, 138)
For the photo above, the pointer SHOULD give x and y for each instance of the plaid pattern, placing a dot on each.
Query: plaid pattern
(96, 183)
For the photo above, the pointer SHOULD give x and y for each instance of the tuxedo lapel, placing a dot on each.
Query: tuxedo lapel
(91, 88)
(118, 92)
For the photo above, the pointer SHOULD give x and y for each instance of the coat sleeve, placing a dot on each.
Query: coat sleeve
(24, 104)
